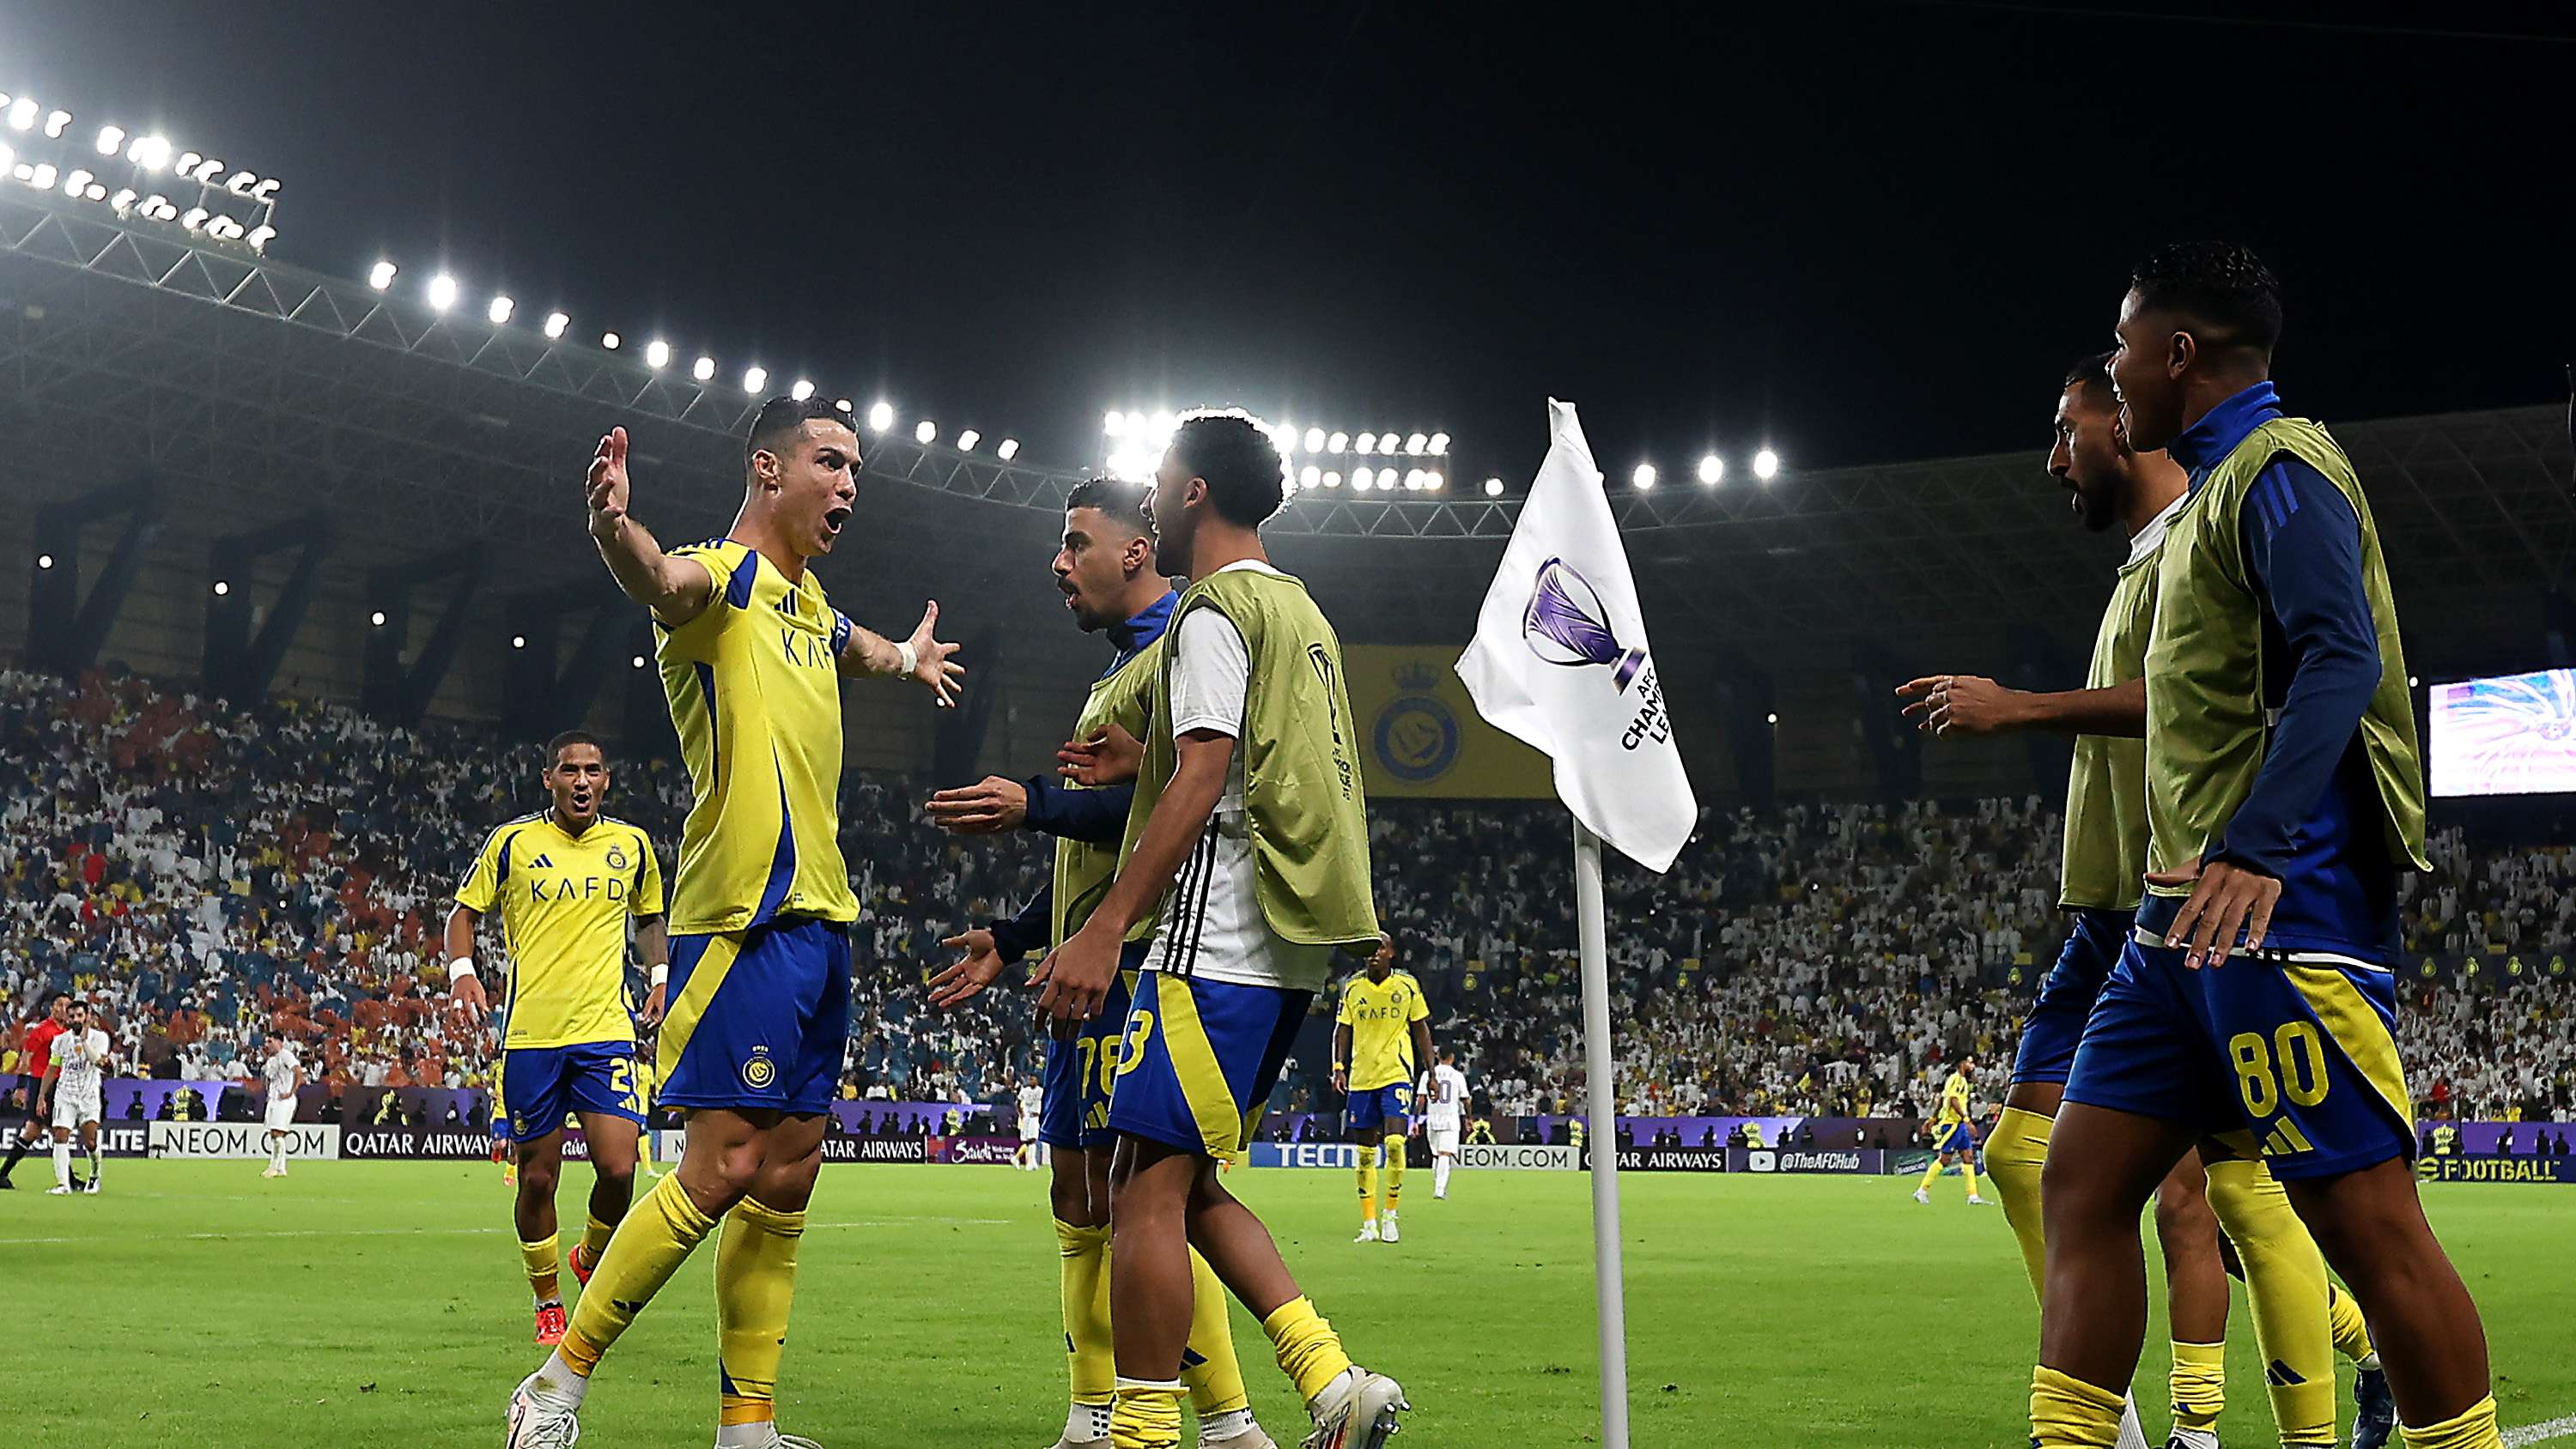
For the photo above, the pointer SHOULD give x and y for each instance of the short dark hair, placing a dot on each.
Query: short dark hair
(53, 996)
(556, 746)
(2219, 284)
(1247, 480)
(2094, 371)
(1121, 501)
(781, 416)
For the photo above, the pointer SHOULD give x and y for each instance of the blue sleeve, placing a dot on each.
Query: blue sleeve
(2303, 552)
(1094, 817)
(1028, 931)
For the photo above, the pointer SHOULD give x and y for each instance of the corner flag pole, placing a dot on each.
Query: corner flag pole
(1604, 1137)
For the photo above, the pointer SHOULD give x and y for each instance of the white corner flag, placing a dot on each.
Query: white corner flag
(1560, 659)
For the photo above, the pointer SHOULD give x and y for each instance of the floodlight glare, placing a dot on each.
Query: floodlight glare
(22, 114)
(1163, 425)
(1766, 465)
(1712, 470)
(610, 340)
(1312, 477)
(1114, 423)
(56, 124)
(377, 618)
(442, 292)
(755, 379)
(44, 560)
(1367, 443)
(880, 417)
(1332, 480)
(500, 310)
(1337, 443)
(704, 369)
(657, 353)
(259, 238)
(1315, 440)
(1644, 477)
(379, 276)
(152, 153)
(1009, 449)
(1440, 445)
(967, 440)
(1415, 444)
(1493, 487)
(638, 661)
(1362, 480)
(802, 390)
(556, 322)
(222, 588)
(111, 139)
(1433, 482)
(518, 641)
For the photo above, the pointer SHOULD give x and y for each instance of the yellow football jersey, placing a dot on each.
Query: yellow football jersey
(755, 690)
(1954, 1101)
(1381, 1015)
(564, 900)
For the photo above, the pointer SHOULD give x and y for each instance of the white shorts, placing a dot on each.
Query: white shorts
(71, 1109)
(1028, 1129)
(1443, 1139)
(280, 1113)
(1212, 925)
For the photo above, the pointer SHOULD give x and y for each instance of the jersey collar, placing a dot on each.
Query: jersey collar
(1141, 629)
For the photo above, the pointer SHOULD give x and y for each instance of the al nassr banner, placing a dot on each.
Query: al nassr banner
(1420, 734)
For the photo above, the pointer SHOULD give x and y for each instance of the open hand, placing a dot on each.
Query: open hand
(656, 1001)
(2226, 899)
(466, 994)
(990, 806)
(609, 486)
(1965, 704)
(1111, 757)
(931, 663)
(963, 978)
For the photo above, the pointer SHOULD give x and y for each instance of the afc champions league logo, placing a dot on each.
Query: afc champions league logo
(1415, 735)
(1566, 624)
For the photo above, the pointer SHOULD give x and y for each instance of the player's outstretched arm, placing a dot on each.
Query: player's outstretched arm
(1111, 757)
(968, 975)
(1971, 704)
(464, 989)
(675, 589)
(922, 658)
(1077, 975)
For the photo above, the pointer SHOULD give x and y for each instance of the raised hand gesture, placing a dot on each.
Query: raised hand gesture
(931, 663)
(608, 484)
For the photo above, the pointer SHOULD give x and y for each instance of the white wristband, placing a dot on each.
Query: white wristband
(460, 969)
(908, 657)
(659, 973)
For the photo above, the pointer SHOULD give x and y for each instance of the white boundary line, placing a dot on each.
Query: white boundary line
(467, 1232)
(2559, 1428)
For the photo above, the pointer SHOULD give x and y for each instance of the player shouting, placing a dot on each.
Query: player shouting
(752, 655)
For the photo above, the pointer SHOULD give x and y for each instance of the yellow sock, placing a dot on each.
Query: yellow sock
(755, 1287)
(1368, 1184)
(1147, 1415)
(594, 1239)
(1394, 1169)
(544, 1273)
(1082, 1282)
(2351, 1330)
(2068, 1413)
(1208, 1364)
(1969, 1171)
(2285, 1281)
(2475, 1429)
(2199, 1384)
(1310, 1353)
(649, 1246)
(1930, 1173)
(2014, 1156)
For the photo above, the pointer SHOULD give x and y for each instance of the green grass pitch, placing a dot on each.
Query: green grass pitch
(381, 1304)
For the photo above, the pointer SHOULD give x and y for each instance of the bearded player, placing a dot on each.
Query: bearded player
(1381, 1038)
(566, 881)
(1105, 570)
(752, 657)
(1248, 852)
(2104, 866)
(2255, 999)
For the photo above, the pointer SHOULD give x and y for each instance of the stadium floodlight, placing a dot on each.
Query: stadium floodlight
(610, 340)
(1315, 440)
(152, 153)
(1313, 477)
(56, 124)
(22, 114)
(377, 618)
(1113, 423)
(1414, 444)
(1363, 479)
(754, 379)
(802, 390)
(2413, 681)
(442, 292)
(1644, 477)
(1433, 482)
(841, 403)
(1337, 443)
(111, 139)
(77, 182)
(556, 322)
(967, 440)
(222, 588)
(1414, 480)
(1009, 449)
(500, 311)
(379, 276)
(1367, 444)
(121, 203)
(704, 369)
(518, 641)
(1766, 465)
(44, 560)
(880, 416)
(1387, 442)
(1163, 423)
(259, 238)
(1440, 445)
(1771, 719)
(193, 219)
(1493, 487)
(639, 661)
(657, 353)
(1712, 470)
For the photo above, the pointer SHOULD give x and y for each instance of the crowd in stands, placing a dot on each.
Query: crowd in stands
(205, 875)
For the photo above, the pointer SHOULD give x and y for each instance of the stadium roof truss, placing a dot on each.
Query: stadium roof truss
(254, 378)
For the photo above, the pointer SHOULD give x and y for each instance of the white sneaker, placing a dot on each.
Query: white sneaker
(1441, 1196)
(1386, 1227)
(539, 1423)
(1355, 1411)
(1368, 1232)
(1922, 1197)
(92, 1187)
(58, 1190)
(272, 1172)
(777, 1440)
(1976, 1201)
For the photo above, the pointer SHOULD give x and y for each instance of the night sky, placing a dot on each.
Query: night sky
(1860, 232)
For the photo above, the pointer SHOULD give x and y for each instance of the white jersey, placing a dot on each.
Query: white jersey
(1031, 1099)
(280, 1071)
(1211, 923)
(1448, 1103)
(81, 1059)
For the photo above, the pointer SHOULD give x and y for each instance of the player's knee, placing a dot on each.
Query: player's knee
(537, 1178)
(1069, 1192)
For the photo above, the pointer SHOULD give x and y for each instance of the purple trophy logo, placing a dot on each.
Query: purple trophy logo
(1565, 624)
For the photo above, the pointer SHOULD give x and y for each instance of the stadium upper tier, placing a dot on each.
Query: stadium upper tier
(265, 390)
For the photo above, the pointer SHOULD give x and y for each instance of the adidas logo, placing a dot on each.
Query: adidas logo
(2287, 1141)
(2282, 1376)
(541, 863)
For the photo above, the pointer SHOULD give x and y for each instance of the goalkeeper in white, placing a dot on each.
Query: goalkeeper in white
(1444, 1088)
